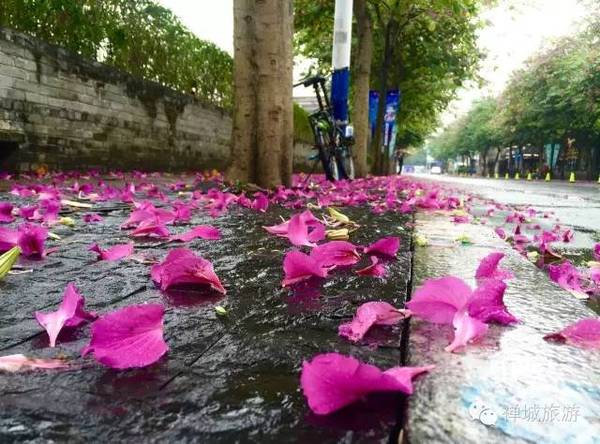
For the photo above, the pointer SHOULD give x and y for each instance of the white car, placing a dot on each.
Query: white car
(435, 170)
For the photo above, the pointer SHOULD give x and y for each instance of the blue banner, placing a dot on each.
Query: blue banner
(392, 106)
(373, 104)
(552, 152)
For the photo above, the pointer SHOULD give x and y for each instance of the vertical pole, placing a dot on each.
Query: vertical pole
(340, 82)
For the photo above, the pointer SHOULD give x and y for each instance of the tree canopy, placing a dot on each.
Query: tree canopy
(137, 36)
(555, 96)
(435, 53)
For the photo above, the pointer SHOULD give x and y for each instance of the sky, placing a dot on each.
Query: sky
(515, 30)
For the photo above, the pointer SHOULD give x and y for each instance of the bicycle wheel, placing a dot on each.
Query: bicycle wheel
(348, 161)
(333, 166)
(329, 167)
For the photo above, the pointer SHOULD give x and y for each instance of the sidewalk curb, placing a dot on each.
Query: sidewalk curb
(511, 366)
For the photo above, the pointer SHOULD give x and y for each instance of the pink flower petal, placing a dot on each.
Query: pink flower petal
(596, 251)
(500, 232)
(203, 231)
(567, 236)
(298, 267)
(181, 268)
(335, 253)
(129, 337)
(114, 253)
(27, 212)
(306, 218)
(332, 381)
(375, 269)
(6, 216)
(521, 239)
(31, 240)
(15, 363)
(8, 239)
(466, 329)
(261, 203)
(460, 219)
(278, 230)
(487, 303)
(488, 268)
(438, 300)
(567, 276)
(151, 228)
(70, 313)
(298, 232)
(316, 232)
(584, 333)
(388, 246)
(367, 315)
(146, 211)
(182, 212)
(91, 218)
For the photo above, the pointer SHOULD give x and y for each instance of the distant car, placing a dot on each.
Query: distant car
(435, 170)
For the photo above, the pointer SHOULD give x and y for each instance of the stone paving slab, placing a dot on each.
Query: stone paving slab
(513, 367)
(225, 379)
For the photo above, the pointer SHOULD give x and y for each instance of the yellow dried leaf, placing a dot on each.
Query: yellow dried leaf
(220, 310)
(8, 259)
(464, 239)
(335, 214)
(340, 234)
(68, 221)
(421, 241)
(75, 204)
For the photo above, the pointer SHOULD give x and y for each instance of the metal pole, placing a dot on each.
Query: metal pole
(340, 82)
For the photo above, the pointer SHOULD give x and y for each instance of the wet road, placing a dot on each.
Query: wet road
(576, 205)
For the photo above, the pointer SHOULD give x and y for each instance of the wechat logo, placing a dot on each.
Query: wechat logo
(479, 411)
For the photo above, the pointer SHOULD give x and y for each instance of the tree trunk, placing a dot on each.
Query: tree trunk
(521, 160)
(498, 151)
(262, 136)
(541, 158)
(484, 168)
(362, 75)
(243, 138)
(287, 148)
(383, 80)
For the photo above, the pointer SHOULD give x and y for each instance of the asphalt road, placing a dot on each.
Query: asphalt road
(576, 205)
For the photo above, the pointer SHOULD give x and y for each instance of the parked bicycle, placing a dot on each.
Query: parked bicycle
(333, 142)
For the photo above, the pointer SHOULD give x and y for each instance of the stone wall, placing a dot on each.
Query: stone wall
(63, 111)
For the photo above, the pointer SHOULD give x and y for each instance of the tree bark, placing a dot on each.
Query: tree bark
(362, 75)
(383, 89)
(262, 135)
(498, 150)
(287, 149)
(484, 166)
(243, 137)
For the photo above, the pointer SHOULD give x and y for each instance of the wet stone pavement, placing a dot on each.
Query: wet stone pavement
(232, 378)
(538, 391)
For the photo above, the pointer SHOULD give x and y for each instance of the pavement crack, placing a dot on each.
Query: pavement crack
(22, 341)
(196, 359)
(398, 433)
(131, 293)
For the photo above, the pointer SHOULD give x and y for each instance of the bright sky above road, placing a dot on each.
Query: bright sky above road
(513, 34)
